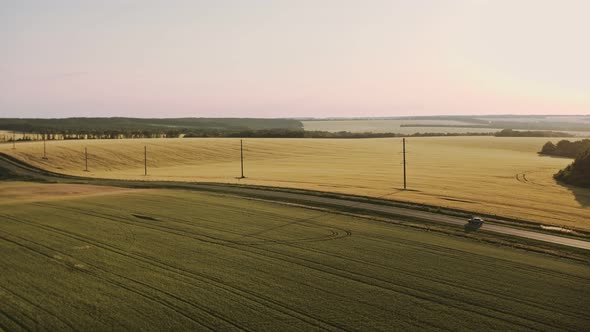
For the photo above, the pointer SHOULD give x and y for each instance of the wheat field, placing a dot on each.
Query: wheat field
(502, 176)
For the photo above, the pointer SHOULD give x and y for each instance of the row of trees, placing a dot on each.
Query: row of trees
(534, 133)
(565, 148)
(91, 134)
(172, 133)
(114, 128)
(284, 133)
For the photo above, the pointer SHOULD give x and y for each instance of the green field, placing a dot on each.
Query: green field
(91, 258)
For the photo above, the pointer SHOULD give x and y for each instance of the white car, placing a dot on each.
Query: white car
(476, 221)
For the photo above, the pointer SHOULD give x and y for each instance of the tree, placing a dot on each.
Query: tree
(548, 148)
(578, 173)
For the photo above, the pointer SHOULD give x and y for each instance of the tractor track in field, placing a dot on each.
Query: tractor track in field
(391, 269)
(161, 302)
(22, 298)
(165, 229)
(271, 259)
(334, 233)
(474, 257)
(258, 299)
(13, 320)
(525, 177)
(110, 281)
(521, 177)
(295, 244)
(422, 246)
(353, 276)
(448, 282)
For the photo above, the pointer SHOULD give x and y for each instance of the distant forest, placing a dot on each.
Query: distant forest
(565, 148)
(536, 133)
(282, 133)
(578, 173)
(111, 128)
(120, 127)
(521, 122)
(116, 128)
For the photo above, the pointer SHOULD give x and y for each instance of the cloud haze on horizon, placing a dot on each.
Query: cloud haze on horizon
(323, 58)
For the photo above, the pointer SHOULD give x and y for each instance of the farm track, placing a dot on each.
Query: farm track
(21, 169)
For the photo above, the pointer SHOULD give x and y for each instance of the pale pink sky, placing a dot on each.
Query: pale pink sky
(301, 58)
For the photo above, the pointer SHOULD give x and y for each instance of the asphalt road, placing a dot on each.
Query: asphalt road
(20, 169)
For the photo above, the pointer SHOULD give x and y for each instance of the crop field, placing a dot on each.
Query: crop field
(100, 258)
(502, 176)
(392, 126)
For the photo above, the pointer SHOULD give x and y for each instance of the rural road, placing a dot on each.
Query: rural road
(20, 169)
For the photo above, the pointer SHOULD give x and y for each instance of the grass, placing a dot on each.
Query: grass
(491, 175)
(177, 260)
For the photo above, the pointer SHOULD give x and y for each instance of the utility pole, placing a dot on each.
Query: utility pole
(44, 148)
(145, 159)
(404, 151)
(86, 159)
(242, 158)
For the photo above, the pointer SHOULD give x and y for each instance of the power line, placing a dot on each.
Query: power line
(404, 152)
(86, 159)
(242, 159)
(44, 148)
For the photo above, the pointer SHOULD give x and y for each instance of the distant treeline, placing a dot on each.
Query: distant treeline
(347, 134)
(536, 133)
(111, 128)
(420, 125)
(281, 133)
(264, 133)
(461, 118)
(565, 148)
(578, 173)
(569, 126)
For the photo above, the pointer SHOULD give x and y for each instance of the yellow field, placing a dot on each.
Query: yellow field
(502, 176)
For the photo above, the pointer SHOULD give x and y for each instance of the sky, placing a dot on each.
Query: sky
(299, 58)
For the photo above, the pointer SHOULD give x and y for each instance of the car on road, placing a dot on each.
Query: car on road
(476, 221)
